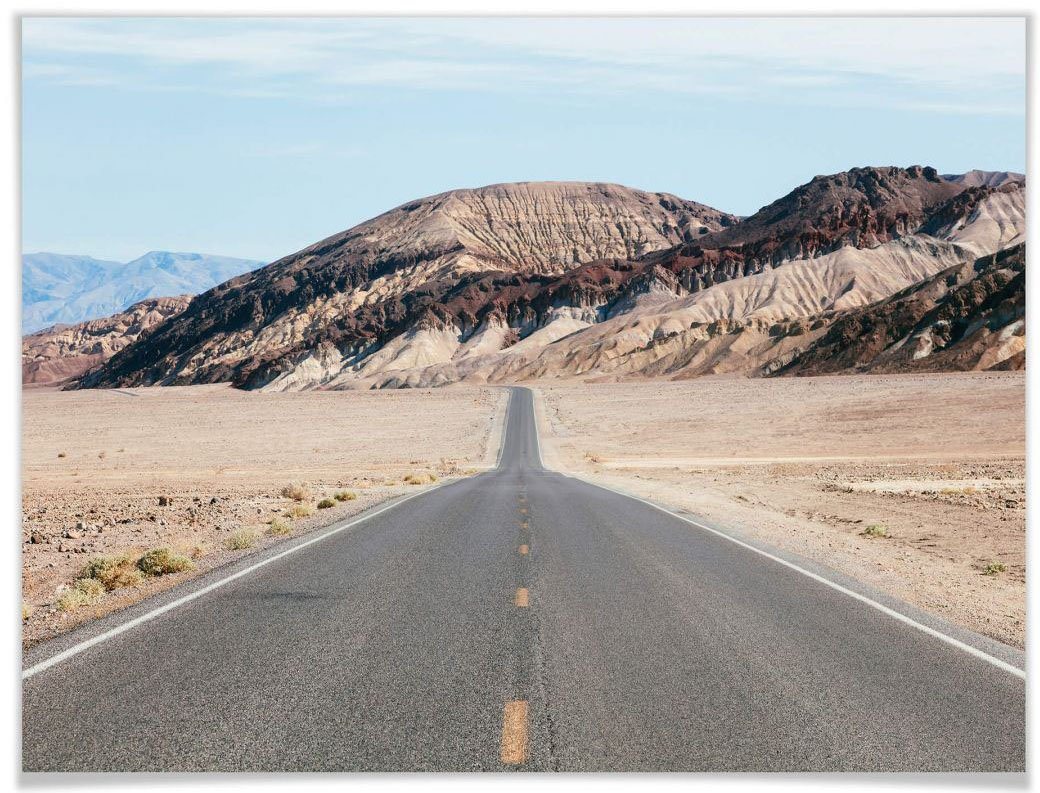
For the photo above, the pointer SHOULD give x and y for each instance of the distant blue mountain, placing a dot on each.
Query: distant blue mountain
(67, 289)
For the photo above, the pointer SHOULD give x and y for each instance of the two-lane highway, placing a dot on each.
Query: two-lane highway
(522, 619)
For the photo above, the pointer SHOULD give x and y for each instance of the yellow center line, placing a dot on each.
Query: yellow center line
(514, 732)
(523, 511)
(521, 597)
(523, 550)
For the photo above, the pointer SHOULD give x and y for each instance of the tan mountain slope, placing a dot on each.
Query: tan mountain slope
(739, 325)
(354, 291)
(64, 352)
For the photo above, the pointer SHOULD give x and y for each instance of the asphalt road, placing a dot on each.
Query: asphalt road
(424, 639)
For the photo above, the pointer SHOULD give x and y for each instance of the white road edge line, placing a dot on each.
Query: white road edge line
(76, 649)
(1011, 668)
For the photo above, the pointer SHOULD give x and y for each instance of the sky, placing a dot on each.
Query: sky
(257, 137)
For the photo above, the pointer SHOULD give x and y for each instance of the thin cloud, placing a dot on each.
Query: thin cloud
(815, 61)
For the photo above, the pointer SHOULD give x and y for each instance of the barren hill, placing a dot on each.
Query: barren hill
(65, 352)
(359, 288)
(561, 279)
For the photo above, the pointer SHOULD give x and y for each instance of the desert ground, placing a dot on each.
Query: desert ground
(201, 470)
(914, 484)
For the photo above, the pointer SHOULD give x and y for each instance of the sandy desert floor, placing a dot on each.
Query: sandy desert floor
(808, 464)
(107, 473)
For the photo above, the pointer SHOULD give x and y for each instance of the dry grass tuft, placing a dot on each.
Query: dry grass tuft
(296, 492)
(114, 572)
(326, 503)
(241, 540)
(27, 611)
(83, 592)
(279, 528)
(344, 495)
(300, 511)
(995, 568)
(163, 561)
(875, 530)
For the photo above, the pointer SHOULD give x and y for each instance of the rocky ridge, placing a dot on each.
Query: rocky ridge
(520, 281)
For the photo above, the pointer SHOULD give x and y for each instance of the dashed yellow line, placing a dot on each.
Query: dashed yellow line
(514, 732)
(521, 597)
(523, 550)
(523, 511)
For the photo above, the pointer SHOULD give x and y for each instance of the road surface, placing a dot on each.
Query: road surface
(520, 619)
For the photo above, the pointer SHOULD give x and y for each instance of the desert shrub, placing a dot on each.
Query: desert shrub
(344, 495)
(241, 540)
(875, 530)
(72, 599)
(296, 492)
(90, 587)
(433, 477)
(82, 593)
(993, 568)
(413, 479)
(300, 511)
(27, 611)
(163, 561)
(326, 503)
(279, 528)
(114, 572)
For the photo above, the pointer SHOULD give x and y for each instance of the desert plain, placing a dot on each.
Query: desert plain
(913, 484)
(201, 470)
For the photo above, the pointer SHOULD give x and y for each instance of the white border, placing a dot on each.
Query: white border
(11, 437)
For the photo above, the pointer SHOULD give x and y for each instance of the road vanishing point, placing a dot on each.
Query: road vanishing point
(524, 620)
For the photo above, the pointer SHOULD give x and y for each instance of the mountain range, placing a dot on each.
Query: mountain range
(58, 288)
(871, 269)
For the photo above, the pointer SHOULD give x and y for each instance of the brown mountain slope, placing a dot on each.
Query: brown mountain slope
(358, 289)
(421, 297)
(61, 353)
(968, 317)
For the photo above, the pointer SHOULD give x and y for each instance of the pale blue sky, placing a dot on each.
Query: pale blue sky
(254, 138)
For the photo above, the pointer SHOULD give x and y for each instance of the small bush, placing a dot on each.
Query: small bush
(296, 492)
(241, 540)
(72, 599)
(875, 530)
(27, 611)
(83, 592)
(300, 511)
(993, 568)
(279, 528)
(326, 503)
(433, 477)
(90, 587)
(344, 495)
(114, 572)
(163, 561)
(412, 479)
